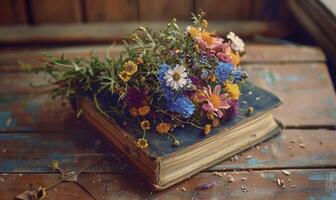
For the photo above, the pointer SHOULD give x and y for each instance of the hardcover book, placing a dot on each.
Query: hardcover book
(163, 165)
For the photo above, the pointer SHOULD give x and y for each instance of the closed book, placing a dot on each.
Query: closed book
(163, 164)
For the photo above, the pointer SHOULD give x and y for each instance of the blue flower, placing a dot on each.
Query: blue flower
(223, 71)
(181, 105)
(238, 75)
(162, 71)
(175, 102)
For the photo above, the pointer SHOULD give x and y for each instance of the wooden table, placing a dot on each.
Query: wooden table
(35, 133)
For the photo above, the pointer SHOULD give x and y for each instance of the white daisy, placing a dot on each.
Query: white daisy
(176, 78)
(237, 44)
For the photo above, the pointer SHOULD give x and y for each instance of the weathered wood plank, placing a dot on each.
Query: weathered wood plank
(21, 83)
(309, 184)
(33, 152)
(62, 11)
(110, 10)
(263, 53)
(228, 10)
(13, 12)
(17, 113)
(256, 53)
(94, 33)
(306, 89)
(164, 9)
(284, 151)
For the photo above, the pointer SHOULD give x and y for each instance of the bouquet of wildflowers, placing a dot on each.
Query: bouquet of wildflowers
(164, 80)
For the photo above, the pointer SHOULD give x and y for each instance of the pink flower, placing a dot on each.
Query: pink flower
(223, 57)
(215, 101)
(215, 44)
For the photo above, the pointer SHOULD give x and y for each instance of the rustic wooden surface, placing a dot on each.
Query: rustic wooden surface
(33, 134)
(93, 33)
(13, 12)
(110, 11)
(88, 11)
(48, 11)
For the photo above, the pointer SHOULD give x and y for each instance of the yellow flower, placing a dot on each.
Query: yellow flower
(232, 89)
(125, 76)
(133, 111)
(40, 193)
(207, 129)
(163, 128)
(142, 143)
(204, 23)
(145, 125)
(206, 37)
(144, 110)
(130, 67)
(193, 31)
(235, 59)
(212, 78)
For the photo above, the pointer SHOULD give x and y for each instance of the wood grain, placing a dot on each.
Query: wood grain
(305, 88)
(62, 11)
(21, 113)
(93, 33)
(309, 184)
(110, 10)
(76, 148)
(153, 10)
(264, 53)
(13, 12)
(225, 10)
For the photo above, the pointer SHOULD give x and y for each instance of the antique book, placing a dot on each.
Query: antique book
(163, 164)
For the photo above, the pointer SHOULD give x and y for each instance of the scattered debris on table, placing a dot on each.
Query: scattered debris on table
(288, 173)
(243, 188)
(230, 179)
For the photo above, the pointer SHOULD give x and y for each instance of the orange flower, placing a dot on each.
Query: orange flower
(206, 37)
(133, 111)
(144, 110)
(235, 59)
(207, 129)
(163, 128)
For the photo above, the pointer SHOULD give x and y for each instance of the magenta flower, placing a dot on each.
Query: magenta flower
(215, 101)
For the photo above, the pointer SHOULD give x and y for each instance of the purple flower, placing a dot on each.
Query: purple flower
(233, 110)
(135, 98)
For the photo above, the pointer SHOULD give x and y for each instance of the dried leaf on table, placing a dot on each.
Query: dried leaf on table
(26, 195)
